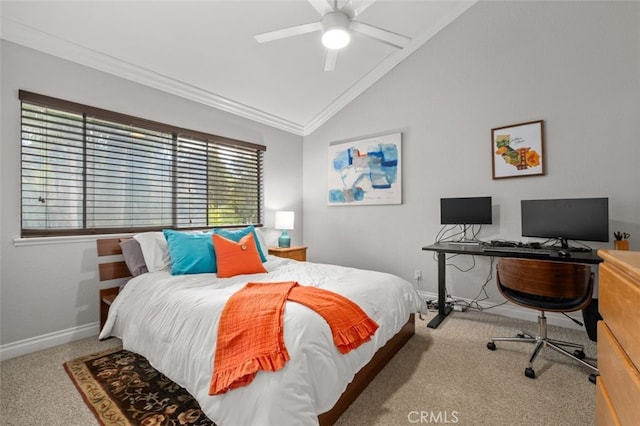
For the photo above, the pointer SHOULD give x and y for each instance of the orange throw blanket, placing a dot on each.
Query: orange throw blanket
(250, 334)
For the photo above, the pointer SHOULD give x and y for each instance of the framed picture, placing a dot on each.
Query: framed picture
(366, 171)
(517, 150)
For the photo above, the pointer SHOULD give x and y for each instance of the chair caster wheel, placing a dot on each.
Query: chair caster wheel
(491, 346)
(579, 354)
(530, 373)
(592, 378)
(520, 336)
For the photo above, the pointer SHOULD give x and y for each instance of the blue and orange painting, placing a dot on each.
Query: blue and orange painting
(365, 171)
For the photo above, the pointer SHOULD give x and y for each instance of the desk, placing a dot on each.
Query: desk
(442, 249)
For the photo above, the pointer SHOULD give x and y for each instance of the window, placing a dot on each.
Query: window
(89, 171)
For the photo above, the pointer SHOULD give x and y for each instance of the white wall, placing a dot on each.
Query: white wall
(49, 292)
(575, 65)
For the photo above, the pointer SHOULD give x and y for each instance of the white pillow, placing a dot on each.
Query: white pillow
(155, 250)
(261, 240)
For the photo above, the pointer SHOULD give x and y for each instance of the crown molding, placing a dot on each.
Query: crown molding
(35, 39)
(38, 40)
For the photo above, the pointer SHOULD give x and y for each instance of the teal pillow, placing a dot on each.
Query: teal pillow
(236, 234)
(190, 253)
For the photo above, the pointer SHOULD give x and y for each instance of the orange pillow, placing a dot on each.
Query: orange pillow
(235, 258)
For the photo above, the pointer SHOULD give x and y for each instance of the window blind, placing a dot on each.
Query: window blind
(87, 171)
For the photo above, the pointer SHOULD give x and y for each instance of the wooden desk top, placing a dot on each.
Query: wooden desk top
(590, 257)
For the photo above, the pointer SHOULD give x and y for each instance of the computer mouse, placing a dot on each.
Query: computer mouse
(563, 253)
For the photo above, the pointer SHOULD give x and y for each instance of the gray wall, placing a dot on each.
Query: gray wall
(49, 292)
(575, 65)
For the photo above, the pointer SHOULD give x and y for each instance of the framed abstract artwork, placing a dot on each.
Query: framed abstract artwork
(518, 150)
(366, 171)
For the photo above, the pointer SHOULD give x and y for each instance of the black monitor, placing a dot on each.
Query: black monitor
(465, 211)
(585, 219)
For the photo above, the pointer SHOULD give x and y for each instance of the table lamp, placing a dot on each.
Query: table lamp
(284, 221)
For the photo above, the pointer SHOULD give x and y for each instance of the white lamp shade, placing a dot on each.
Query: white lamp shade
(284, 220)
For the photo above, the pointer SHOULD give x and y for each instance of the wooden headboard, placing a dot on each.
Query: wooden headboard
(113, 269)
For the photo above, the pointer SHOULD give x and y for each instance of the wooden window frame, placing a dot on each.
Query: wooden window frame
(230, 180)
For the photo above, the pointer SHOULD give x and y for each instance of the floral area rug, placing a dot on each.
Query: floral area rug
(122, 388)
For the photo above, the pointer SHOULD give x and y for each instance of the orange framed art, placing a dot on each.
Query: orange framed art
(518, 150)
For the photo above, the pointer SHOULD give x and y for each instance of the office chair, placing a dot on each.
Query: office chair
(545, 286)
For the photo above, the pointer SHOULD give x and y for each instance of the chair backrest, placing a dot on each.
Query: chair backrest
(572, 282)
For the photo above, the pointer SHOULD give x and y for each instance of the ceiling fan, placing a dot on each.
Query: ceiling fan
(337, 23)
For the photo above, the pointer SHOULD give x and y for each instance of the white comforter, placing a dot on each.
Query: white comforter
(173, 322)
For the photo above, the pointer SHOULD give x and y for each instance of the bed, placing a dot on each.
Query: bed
(172, 320)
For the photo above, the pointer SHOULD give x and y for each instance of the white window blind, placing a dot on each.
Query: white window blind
(86, 170)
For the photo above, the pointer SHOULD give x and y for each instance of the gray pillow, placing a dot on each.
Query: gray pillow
(133, 256)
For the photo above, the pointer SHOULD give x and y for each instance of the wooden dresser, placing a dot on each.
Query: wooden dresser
(618, 386)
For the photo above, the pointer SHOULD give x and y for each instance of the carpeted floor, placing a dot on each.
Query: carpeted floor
(446, 375)
(449, 373)
(36, 391)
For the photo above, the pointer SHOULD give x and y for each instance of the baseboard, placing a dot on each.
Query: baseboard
(46, 341)
(513, 311)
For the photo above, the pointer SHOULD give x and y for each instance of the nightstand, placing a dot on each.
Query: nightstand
(295, 253)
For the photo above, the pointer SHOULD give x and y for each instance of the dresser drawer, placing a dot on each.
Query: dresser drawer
(619, 299)
(605, 414)
(619, 376)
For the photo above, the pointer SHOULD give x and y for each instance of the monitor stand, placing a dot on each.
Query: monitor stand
(564, 245)
(464, 241)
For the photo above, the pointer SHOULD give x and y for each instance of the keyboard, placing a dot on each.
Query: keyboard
(523, 250)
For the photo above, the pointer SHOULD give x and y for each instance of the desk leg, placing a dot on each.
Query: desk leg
(443, 309)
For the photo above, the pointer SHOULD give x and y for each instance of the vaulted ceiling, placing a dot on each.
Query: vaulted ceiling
(206, 51)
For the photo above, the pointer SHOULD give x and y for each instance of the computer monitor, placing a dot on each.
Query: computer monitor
(465, 211)
(585, 219)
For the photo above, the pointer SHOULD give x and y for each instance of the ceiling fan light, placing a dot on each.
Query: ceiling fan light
(336, 38)
(335, 30)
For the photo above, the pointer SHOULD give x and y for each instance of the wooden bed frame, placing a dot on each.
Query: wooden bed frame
(110, 269)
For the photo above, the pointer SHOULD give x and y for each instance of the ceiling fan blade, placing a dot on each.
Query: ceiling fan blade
(288, 32)
(322, 6)
(353, 8)
(330, 58)
(388, 37)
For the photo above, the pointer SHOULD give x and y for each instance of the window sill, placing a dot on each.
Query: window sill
(73, 239)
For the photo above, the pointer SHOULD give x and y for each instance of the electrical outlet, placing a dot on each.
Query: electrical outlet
(417, 274)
